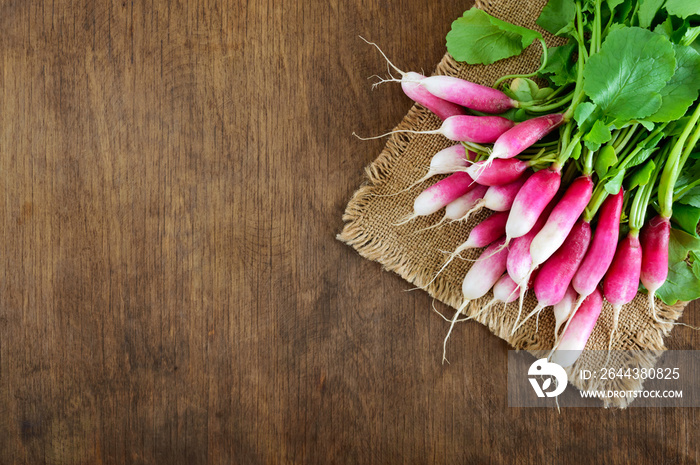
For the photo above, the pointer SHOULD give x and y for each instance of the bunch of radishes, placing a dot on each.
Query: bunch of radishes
(569, 176)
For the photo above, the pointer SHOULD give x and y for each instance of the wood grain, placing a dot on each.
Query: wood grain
(173, 176)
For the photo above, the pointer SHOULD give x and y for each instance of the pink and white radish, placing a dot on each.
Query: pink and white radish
(468, 94)
(480, 278)
(439, 195)
(555, 275)
(523, 135)
(460, 207)
(483, 234)
(531, 200)
(602, 249)
(410, 83)
(563, 310)
(500, 198)
(578, 331)
(463, 128)
(497, 172)
(519, 259)
(449, 160)
(561, 220)
(654, 241)
(622, 279)
(504, 291)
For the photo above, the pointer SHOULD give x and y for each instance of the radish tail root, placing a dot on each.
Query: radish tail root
(652, 308)
(616, 318)
(439, 223)
(483, 309)
(536, 310)
(429, 175)
(655, 316)
(521, 299)
(452, 325)
(410, 131)
(444, 317)
(573, 312)
(406, 219)
(479, 205)
(389, 63)
(452, 256)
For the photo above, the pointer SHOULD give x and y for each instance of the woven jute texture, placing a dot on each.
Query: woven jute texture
(371, 216)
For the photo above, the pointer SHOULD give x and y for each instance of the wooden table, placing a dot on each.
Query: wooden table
(171, 291)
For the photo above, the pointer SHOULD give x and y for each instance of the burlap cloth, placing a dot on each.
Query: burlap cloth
(370, 219)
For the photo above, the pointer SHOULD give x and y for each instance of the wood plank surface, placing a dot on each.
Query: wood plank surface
(171, 290)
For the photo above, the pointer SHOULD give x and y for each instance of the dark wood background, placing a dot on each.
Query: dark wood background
(171, 290)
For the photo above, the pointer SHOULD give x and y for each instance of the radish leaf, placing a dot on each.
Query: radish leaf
(647, 11)
(613, 185)
(683, 8)
(625, 78)
(560, 65)
(605, 159)
(557, 16)
(692, 197)
(598, 135)
(682, 89)
(479, 38)
(681, 284)
(641, 177)
(686, 217)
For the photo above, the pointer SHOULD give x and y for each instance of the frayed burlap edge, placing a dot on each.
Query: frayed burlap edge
(375, 238)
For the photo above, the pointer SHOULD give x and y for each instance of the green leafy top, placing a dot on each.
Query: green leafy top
(479, 38)
(626, 77)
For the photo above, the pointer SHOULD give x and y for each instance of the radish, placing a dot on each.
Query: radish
(519, 260)
(654, 241)
(622, 279)
(561, 220)
(531, 200)
(523, 135)
(468, 94)
(483, 234)
(577, 333)
(459, 208)
(552, 235)
(446, 161)
(480, 278)
(464, 128)
(555, 275)
(499, 171)
(439, 195)
(563, 310)
(500, 198)
(505, 290)
(602, 249)
(410, 83)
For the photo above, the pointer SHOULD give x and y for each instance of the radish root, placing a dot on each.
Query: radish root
(452, 325)
(616, 318)
(406, 219)
(536, 310)
(410, 131)
(439, 223)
